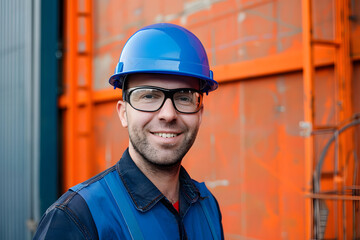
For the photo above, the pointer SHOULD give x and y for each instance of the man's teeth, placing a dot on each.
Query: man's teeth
(166, 135)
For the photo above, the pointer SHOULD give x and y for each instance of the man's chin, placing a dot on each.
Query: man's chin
(165, 159)
(168, 165)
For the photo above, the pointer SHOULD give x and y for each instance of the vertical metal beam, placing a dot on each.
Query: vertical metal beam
(344, 66)
(308, 84)
(71, 115)
(89, 83)
(343, 72)
(48, 104)
(78, 74)
(84, 81)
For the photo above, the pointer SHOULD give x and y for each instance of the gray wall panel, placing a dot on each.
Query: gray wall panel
(16, 119)
(28, 117)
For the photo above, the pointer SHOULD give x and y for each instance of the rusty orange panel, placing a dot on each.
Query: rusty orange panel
(111, 138)
(325, 102)
(246, 147)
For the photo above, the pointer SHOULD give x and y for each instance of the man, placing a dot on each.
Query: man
(163, 72)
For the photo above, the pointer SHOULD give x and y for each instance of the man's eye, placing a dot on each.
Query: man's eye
(148, 96)
(185, 99)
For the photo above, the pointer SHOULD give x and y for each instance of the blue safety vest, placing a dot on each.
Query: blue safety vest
(116, 216)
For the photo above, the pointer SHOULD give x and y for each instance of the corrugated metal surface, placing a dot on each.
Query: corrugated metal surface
(17, 143)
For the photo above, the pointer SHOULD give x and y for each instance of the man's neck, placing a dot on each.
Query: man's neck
(166, 179)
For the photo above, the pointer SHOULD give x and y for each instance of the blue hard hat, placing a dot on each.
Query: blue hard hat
(166, 49)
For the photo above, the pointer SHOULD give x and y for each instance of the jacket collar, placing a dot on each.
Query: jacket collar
(144, 193)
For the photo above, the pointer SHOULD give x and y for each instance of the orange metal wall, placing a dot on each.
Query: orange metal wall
(250, 148)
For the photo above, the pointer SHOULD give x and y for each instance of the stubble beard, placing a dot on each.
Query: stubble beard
(151, 155)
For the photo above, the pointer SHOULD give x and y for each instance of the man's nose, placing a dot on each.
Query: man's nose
(167, 111)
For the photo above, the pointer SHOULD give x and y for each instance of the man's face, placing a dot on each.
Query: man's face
(161, 138)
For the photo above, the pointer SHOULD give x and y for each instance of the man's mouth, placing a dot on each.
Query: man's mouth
(166, 135)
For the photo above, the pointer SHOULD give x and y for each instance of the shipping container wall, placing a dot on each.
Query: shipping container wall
(251, 147)
(17, 110)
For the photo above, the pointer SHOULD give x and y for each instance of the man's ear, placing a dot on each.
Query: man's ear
(121, 110)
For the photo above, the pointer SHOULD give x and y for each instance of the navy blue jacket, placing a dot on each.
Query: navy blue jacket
(70, 217)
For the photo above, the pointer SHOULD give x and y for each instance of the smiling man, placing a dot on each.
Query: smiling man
(163, 72)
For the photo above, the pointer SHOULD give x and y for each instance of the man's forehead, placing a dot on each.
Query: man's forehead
(162, 80)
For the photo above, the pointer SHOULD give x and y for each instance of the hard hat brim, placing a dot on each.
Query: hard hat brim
(208, 84)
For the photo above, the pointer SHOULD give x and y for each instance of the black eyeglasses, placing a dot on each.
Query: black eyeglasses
(151, 99)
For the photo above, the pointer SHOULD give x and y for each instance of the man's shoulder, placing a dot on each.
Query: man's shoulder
(72, 199)
(70, 214)
(68, 217)
(93, 180)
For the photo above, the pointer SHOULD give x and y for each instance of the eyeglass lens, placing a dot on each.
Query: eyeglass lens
(150, 99)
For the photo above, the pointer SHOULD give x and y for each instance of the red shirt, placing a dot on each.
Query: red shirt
(176, 206)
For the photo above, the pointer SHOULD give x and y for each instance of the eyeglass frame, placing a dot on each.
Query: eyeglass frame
(169, 93)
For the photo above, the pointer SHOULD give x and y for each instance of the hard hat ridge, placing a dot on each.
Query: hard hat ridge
(164, 48)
